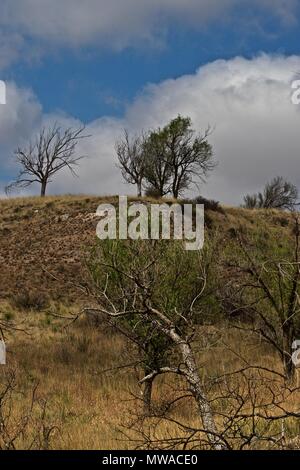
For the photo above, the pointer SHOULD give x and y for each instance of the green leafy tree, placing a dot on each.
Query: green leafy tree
(177, 157)
(166, 160)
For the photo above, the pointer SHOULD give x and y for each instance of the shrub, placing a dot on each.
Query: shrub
(209, 204)
(153, 192)
(31, 300)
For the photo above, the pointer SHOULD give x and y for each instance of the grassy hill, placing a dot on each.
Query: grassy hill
(43, 242)
(43, 247)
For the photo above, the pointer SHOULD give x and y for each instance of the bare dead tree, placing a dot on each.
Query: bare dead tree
(252, 405)
(52, 151)
(28, 427)
(267, 291)
(131, 157)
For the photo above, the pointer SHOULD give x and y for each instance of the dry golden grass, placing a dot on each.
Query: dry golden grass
(41, 237)
(86, 405)
(45, 237)
(88, 401)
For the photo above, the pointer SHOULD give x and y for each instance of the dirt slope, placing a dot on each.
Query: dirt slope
(43, 242)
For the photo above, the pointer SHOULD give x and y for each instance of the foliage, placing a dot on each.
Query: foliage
(166, 160)
(278, 194)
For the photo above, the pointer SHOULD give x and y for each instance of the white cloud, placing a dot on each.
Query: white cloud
(10, 46)
(256, 132)
(19, 117)
(120, 23)
(248, 102)
(285, 9)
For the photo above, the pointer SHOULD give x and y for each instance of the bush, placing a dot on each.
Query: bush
(152, 192)
(209, 204)
(31, 300)
(277, 194)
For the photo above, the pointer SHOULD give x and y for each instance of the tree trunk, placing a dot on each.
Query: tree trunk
(139, 189)
(43, 188)
(289, 369)
(288, 366)
(288, 338)
(175, 185)
(147, 395)
(204, 408)
(175, 193)
(192, 376)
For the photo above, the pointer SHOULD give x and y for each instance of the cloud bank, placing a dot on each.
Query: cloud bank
(119, 24)
(248, 102)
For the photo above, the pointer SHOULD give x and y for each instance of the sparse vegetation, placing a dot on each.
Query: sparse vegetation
(278, 194)
(88, 377)
(168, 160)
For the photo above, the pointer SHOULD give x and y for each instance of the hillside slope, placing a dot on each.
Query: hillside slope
(44, 242)
(84, 373)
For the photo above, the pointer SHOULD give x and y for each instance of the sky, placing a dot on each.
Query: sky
(136, 64)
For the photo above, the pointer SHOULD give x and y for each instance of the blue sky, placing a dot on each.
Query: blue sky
(90, 82)
(114, 65)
